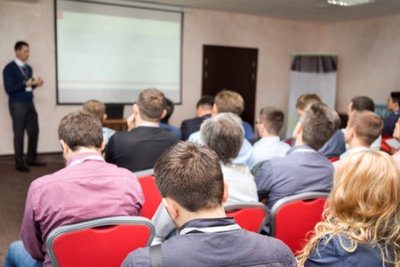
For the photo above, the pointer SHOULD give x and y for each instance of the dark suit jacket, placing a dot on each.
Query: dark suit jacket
(14, 82)
(191, 126)
(139, 148)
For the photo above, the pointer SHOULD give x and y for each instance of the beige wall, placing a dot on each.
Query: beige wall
(366, 49)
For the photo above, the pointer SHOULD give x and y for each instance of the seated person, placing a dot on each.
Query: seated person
(85, 189)
(229, 101)
(190, 179)
(363, 103)
(303, 169)
(268, 127)
(140, 147)
(396, 134)
(361, 223)
(98, 109)
(393, 105)
(224, 134)
(165, 121)
(203, 111)
(362, 129)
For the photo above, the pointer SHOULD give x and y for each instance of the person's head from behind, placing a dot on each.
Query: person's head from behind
(189, 178)
(21, 49)
(270, 122)
(169, 110)
(360, 103)
(150, 106)
(224, 134)
(80, 132)
(228, 101)
(363, 128)
(96, 108)
(204, 106)
(305, 100)
(393, 103)
(364, 205)
(317, 125)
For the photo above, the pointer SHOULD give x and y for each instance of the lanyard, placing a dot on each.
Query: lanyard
(212, 229)
(79, 161)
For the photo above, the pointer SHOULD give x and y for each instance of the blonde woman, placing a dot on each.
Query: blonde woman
(362, 217)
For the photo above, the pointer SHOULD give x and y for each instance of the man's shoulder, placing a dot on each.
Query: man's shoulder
(139, 257)
(10, 65)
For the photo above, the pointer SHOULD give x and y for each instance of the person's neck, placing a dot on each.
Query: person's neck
(141, 122)
(201, 113)
(186, 215)
(355, 142)
(267, 134)
(81, 150)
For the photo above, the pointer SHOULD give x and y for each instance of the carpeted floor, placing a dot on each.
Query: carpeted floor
(13, 188)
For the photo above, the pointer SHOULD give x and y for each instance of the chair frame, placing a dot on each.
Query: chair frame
(148, 172)
(286, 200)
(106, 221)
(257, 205)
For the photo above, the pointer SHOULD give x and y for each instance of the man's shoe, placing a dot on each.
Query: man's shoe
(22, 168)
(36, 163)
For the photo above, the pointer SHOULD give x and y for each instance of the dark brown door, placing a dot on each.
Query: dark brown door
(232, 68)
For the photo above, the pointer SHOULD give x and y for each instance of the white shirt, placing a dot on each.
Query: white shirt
(351, 152)
(267, 148)
(241, 189)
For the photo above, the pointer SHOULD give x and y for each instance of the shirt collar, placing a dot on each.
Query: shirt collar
(19, 62)
(149, 124)
(354, 150)
(80, 157)
(211, 225)
(270, 139)
(300, 148)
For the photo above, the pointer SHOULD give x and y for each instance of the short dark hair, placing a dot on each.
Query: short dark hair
(395, 97)
(169, 108)
(304, 100)
(205, 100)
(229, 101)
(224, 134)
(96, 108)
(319, 123)
(367, 126)
(80, 129)
(151, 103)
(191, 175)
(360, 103)
(272, 119)
(18, 45)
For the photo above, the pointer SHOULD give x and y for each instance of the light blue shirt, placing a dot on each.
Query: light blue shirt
(267, 148)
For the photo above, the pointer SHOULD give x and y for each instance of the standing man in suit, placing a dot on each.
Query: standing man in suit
(19, 84)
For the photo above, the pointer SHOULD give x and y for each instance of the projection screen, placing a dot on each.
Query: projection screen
(111, 52)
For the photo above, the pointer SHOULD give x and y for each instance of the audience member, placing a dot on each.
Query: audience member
(98, 109)
(305, 100)
(362, 129)
(229, 101)
(268, 127)
(140, 147)
(304, 169)
(85, 189)
(203, 111)
(396, 134)
(393, 105)
(191, 182)
(361, 225)
(165, 121)
(222, 133)
(362, 103)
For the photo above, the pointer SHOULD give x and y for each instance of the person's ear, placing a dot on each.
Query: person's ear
(135, 109)
(163, 114)
(214, 110)
(225, 194)
(103, 145)
(65, 148)
(172, 207)
(104, 117)
(298, 130)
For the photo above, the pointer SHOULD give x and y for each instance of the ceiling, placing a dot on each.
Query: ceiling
(305, 10)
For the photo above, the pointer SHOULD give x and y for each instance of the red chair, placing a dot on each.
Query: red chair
(249, 216)
(152, 197)
(333, 159)
(294, 216)
(100, 242)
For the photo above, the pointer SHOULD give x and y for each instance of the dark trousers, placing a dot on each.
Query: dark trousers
(24, 117)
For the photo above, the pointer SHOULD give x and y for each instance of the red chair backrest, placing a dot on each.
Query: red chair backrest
(333, 159)
(101, 242)
(295, 216)
(152, 197)
(248, 216)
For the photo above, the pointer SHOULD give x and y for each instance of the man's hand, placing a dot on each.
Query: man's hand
(38, 82)
(30, 82)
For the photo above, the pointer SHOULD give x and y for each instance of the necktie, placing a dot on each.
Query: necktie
(24, 71)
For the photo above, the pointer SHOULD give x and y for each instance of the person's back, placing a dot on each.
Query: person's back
(393, 106)
(139, 148)
(303, 169)
(84, 190)
(193, 197)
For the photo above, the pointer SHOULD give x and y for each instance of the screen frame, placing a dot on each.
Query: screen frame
(59, 103)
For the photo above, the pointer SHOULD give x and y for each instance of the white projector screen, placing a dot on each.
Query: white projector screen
(112, 52)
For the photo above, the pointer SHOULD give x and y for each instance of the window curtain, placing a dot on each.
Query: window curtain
(311, 74)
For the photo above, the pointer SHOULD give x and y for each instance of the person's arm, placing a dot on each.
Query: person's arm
(263, 179)
(11, 82)
(30, 231)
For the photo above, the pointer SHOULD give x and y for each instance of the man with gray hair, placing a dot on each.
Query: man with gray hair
(222, 133)
(303, 169)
